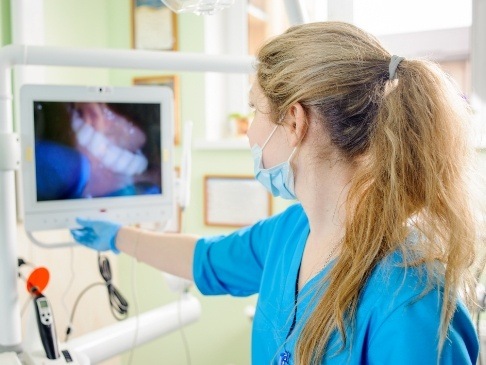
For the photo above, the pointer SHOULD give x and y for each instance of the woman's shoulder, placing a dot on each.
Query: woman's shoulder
(294, 213)
(397, 282)
(293, 210)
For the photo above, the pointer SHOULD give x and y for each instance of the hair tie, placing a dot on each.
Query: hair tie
(392, 67)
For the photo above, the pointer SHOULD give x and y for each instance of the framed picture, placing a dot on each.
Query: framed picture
(173, 82)
(234, 201)
(154, 26)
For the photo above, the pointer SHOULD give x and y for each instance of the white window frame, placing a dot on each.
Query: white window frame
(227, 33)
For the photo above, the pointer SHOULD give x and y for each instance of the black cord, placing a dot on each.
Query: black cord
(21, 261)
(118, 304)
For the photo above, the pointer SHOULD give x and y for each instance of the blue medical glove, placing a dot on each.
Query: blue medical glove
(96, 234)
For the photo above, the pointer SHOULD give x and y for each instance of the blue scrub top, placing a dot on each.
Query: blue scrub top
(394, 324)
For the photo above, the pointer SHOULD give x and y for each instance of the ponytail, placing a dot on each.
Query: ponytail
(419, 163)
(412, 178)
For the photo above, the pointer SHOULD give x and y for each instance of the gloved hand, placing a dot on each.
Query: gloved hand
(97, 234)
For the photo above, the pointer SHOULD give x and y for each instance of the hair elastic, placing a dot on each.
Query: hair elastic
(392, 67)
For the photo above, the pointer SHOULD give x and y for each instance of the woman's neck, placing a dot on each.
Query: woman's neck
(323, 193)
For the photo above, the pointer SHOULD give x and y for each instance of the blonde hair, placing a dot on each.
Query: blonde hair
(411, 137)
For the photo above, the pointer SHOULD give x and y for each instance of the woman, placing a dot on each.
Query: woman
(368, 267)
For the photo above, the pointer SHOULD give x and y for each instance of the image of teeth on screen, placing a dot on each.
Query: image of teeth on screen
(96, 149)
(96, 152)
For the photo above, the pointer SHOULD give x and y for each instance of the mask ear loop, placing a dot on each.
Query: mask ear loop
(270, 136)
(292, 154)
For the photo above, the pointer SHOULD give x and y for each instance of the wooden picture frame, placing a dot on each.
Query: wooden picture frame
(235, 201)
(173, 82)
(154, 26)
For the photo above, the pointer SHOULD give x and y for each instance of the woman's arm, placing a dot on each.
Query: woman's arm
(169, 252)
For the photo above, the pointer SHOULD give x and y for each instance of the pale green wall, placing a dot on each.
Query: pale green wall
(72, 23)
(5, 32)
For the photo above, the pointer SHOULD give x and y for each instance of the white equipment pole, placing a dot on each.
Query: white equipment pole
(10, 335)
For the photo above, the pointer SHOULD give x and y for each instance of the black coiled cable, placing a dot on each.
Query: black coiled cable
(118, 304)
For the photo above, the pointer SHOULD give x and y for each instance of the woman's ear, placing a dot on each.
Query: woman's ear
(297, 123)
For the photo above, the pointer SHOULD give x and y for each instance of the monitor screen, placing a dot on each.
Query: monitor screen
(96, 152)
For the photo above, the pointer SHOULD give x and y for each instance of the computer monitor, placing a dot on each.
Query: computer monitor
(96, 152)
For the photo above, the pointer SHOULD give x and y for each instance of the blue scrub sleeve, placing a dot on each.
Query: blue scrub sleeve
(232, 264)
(409, 335)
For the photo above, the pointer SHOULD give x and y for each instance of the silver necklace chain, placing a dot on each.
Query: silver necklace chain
(326, 262)
(331, 254)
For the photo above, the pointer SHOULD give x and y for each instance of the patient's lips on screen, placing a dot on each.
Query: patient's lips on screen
(113, 145)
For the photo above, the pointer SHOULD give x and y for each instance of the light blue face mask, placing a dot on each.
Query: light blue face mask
(279, 179)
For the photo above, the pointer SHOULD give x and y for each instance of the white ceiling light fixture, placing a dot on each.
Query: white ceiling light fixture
(199, 7)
